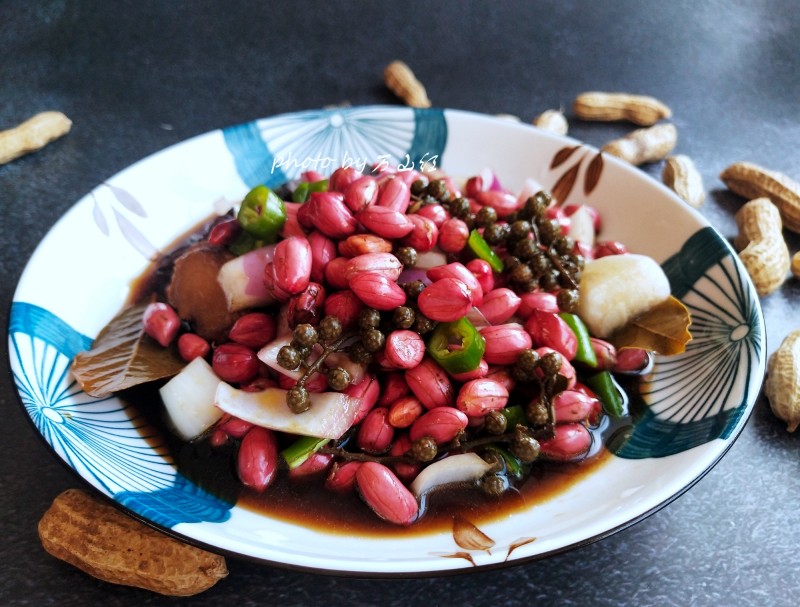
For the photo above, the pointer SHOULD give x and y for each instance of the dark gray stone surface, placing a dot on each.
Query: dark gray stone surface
(138, 76)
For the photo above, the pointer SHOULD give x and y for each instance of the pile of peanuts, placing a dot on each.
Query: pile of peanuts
(773, 203)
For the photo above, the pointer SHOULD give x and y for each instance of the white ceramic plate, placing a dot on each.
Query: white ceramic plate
(79, 277)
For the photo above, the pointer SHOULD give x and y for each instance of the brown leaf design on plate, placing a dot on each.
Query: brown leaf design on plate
(461, 555)
(593, 173)
(122, 356)
(663, 329)
(561, 190)
(520, 542)
(469, 537)
(563, 155)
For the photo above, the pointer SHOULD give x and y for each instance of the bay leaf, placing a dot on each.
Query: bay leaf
(663, 329)
(123, 356)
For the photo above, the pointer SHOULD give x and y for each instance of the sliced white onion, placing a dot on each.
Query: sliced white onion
(581, 227)
(460, 468)
(242, 279)
(189, 399)
(430, 259)
(330, 414)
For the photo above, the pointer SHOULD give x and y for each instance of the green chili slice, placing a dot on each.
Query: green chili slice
(262, 214)
(609, 393)
(483, 251)
(301, 449)
(515, 416)
(585, 353)
(457, 346)
(304, 189)
(513, 465)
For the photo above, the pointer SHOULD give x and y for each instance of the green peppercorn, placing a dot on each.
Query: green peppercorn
(414, 288)
(551, 363)
(526, 249)
(330, 328)
(540, 264)
(437, 188)
(567, 300)
(298, 399)
(521, 274)
(550, 280)
(305, 335)
(338, 378)
(496, 233)
(529, 360)
(520, 229)
(423, 449)
(369, 318)
(549, 230)
(459, 207)
(358, 354)
(536, 413)
(563, 244)
(525, 448)
(373, 340)
(485, 217)
(422, 324)
(406, 256)
(493, 484)
(403, 317)
(495, 422)
(418, 187)
(289, 358)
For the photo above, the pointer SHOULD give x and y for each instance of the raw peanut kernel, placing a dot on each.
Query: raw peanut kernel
(105, 543)
(385, 494)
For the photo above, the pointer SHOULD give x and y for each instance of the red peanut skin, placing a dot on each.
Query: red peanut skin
(385, 494)
(385, 222)
(446, 300)
(235, 363)
(570, 442)
(233, 426)
(424, 236)
(161, 322)
(345, 305)
(459, 272)
(405, 471)
(191, 346)
(502, 202)
(395, 194)
(375, 434)
(436, 213)
(405, 411)
(253, 330)
(632, 361)
(551, 330)
(306, 306)
(328, 213)
(367, 391)
(377, 291)
(567, 371)
(574, 406)
(504, 343)
(323, 251)
(335, 272)
(361, 193)
(479, 396)
(342, 477)
(537, 300)
(380, 263)
(605, 353)
(482, 370)
(503, 376)
(341, 178)
(453, 235)
(394, 387)
(442, 424)
(483, 272)
(292, 264)
(315, 464)
(358, 244)
(404, 349)
(257, 459)
(430, 384)
(499, 305)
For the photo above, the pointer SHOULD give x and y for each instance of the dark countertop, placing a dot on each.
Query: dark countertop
(137, 76)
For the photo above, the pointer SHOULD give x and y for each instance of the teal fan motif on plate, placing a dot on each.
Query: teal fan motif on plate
(103, 440)
(691, 398)
(274, 150)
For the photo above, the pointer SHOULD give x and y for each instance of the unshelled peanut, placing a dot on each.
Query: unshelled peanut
(109, 545)
(782, 386)
(638, 109)
(796, 264)
(681, 175)
(761, 246)
(752, 181)
(402, 82)
(644, 145)
(32, 135)
(553, 121)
